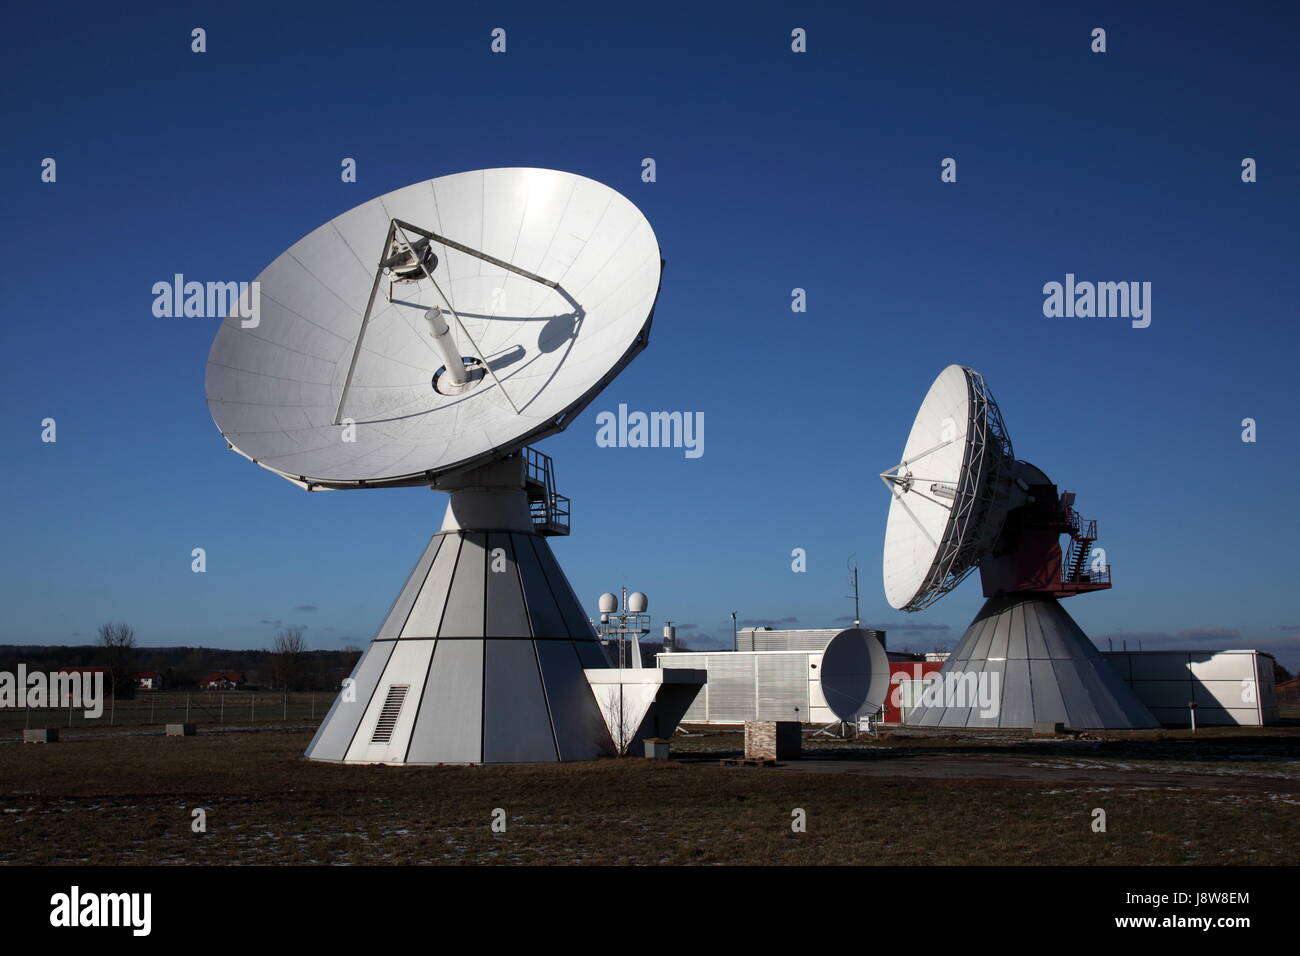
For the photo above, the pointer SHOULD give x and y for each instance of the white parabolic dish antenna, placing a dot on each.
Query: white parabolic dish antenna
(425, 338)
(451, 321)
(949, 493)
(959, 500)
(854, 674)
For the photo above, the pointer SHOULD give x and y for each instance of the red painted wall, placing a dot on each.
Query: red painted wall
(909, 670)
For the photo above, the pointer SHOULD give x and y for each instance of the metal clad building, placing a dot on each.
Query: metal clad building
(769, 639)
(755, 685)
(1229, 687)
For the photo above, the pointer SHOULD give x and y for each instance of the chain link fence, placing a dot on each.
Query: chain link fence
(156, 708)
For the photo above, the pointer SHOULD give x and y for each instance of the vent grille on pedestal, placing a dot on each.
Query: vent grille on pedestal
(388, 714)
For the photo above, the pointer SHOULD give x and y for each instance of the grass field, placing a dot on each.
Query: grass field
(1226, 797)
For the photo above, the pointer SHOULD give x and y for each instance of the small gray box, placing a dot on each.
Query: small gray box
(181, 730)
(1045, 728)
(42, 735)
(656, 749)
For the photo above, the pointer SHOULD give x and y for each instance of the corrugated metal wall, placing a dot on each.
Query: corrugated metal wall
(781, 686)
(751, 686)
(1229, 687)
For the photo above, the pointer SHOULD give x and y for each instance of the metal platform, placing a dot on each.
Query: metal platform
(550, 510)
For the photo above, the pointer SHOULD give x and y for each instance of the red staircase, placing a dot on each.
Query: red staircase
(1076, 574)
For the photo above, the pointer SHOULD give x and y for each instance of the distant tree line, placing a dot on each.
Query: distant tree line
(288, 665)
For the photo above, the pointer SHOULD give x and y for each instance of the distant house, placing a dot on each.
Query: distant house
(222, 680)
(148, 680)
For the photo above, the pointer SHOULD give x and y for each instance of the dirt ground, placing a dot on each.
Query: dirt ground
(1223, 798)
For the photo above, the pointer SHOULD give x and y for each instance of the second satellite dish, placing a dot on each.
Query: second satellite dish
(959, 500)
(436, 326)
(949, 493)
(854, 674)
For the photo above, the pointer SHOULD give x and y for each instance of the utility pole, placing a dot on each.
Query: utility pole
(624, 657)
(735, 640)
(857, 616)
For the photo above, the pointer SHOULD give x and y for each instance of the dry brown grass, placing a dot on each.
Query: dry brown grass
(125, 800)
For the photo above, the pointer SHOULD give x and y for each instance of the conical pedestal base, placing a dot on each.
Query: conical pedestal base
(1023, 661)
(480, 660)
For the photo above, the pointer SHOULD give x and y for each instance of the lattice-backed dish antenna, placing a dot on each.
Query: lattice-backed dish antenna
(436, 327)
(960, 500)
(949, 494)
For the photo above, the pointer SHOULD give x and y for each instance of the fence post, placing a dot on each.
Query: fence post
(222, 719)
(152, 701)
(252, 710)
(187, 708)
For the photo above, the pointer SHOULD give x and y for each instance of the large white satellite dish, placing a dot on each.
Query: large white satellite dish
(451, 321)
(425, 338)
(949, 492)
(959, 499)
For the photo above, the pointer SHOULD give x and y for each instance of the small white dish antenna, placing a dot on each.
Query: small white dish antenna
(854, 674)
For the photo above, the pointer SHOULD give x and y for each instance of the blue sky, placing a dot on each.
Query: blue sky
(775, 170)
